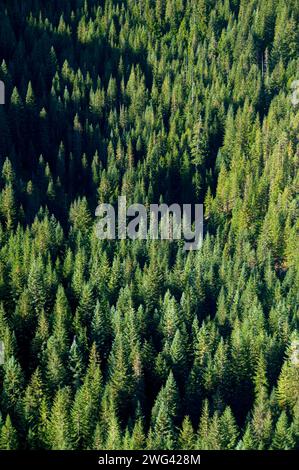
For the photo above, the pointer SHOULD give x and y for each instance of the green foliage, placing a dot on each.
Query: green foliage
(140, 345)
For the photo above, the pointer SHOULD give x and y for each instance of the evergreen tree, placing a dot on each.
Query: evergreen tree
(186, 439)
(59, 434)
(8, 436)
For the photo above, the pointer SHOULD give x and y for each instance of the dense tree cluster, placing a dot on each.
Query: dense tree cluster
(139, 344)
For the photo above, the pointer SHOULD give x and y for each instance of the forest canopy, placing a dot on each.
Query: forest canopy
(140, 344)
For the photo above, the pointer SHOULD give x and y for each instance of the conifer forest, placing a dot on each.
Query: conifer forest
(139, 344)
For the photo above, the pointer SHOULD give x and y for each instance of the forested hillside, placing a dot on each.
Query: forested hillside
(140, 344)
